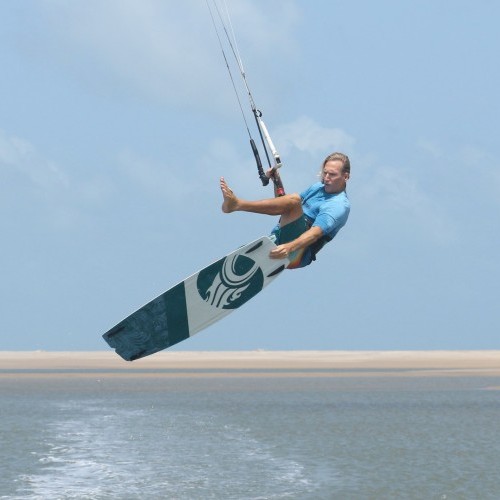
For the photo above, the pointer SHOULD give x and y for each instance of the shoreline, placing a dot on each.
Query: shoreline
(253, 363)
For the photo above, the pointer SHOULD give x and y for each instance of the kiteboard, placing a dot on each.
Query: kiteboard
(197, 302)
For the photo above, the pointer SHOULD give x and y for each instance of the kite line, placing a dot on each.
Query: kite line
(267, 143)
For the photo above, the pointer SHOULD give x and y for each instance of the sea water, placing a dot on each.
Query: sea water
(248, 436)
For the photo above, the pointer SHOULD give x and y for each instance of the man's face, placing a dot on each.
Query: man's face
(333, 178)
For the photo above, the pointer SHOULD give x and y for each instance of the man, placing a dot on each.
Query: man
(308, 221)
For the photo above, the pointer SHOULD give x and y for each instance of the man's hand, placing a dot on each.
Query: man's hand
(272, 172)
(303, 241)
(280, 252)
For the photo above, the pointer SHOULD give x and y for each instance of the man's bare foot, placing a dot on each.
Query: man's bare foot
(230, 203)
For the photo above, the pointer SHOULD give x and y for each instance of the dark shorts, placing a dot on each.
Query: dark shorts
(290, 232)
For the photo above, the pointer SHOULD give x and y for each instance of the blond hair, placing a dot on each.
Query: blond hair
(346, 164)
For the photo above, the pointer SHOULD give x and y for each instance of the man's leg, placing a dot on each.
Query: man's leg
(288, 206)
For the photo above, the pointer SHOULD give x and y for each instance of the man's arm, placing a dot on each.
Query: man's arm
(304, 240)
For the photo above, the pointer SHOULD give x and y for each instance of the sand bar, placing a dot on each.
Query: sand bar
(329, 363)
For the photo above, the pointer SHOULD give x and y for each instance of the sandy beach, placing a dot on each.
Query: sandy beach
(268, 363)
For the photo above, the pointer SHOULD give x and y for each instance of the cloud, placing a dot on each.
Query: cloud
(256, 26)
(45, 192)
(486, 169)
(166, 50)
(191, 173)
(394, 198)
(455, 170)
(22, 157)
(155, 178)
(431, 148)
(305, 135)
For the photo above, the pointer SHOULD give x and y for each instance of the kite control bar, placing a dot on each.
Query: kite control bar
(262, 175)
(266, 138)
(278, 185)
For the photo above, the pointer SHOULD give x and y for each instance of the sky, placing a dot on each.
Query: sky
(118, 117)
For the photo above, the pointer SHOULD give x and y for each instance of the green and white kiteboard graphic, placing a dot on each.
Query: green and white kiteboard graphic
(197, 302)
